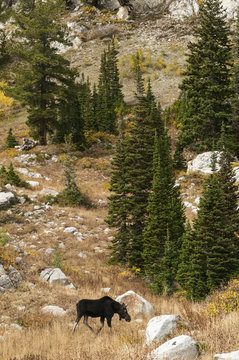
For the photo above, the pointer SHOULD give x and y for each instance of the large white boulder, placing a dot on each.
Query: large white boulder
(123, 13)
(182, 347)
(137, 305)
(55, 277)
(159, 326)
(228, 356)
(202, 163)
(6, 199)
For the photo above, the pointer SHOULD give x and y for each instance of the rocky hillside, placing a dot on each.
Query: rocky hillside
(51, 256)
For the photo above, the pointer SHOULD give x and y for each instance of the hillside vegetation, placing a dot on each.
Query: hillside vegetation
(32, 231)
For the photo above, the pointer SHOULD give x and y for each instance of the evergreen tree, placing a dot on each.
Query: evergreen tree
(44, 74)
(139, 166)
(4, 16)
(118, 216)
(165, 224)
(109, 95)
(11, 141)
(214, 255)
(70, 116)
(235, 83)
(206, 88)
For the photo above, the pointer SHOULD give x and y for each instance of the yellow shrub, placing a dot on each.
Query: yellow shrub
(86, 163)
(224, 301)
(6, 103)
(7, 256)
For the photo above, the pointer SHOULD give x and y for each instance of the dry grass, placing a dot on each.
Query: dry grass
(47, 338)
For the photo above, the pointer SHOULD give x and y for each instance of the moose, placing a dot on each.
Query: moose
(105, 308)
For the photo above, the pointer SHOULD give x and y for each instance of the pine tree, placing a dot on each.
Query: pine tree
(11, 141)
(215, 246)
(71, 116)
(44, 74)
(235, 83)
(165, 224)
(5, 13)
(118, 216)
(109, 96)
(206, 88)
(139, 166)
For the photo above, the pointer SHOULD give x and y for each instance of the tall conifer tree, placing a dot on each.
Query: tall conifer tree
(206, 88)
(235, 83)
(165, 224)
(109, 95)
(44, 73)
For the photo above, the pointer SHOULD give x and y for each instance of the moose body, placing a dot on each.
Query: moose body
(105, 308)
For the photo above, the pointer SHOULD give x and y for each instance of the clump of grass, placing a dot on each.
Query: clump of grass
(57, 261)
(4, 237)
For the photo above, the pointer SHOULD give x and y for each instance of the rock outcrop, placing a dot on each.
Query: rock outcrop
(159, 326)
(56, 277)
(136, 304)
(182, 347)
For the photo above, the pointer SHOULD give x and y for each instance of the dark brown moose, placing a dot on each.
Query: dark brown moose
(105, 308)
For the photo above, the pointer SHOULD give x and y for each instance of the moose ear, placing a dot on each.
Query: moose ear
(124, 305)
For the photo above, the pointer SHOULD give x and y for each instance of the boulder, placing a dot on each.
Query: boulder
(137, 305)
(51, 192)
(123, 13)
(202, 163)
(228, 356)
(110, 4)
(7, 199)
(159, 326)
(55, 277)
(5, 282)
(53, 310)
(70, 229)
(33, 184)
(15, 276)
(182, 347)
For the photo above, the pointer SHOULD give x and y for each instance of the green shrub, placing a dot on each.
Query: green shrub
(4, 237)
(14, 179)
(11, 141)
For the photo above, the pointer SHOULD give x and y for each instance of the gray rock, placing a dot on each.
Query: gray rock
(202, 162)
(53, 310)
(227, 356)
(15, 276)
(50, 251)
(5, 282)
(55, 277)
(82, 255)
(7, 199)
(136, 304)
(182, 347)
(70, 229)
(33, 184)
(49, 192)
(123, 13)
(159, 326)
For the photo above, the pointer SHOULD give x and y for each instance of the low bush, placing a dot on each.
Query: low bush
(224, 301)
